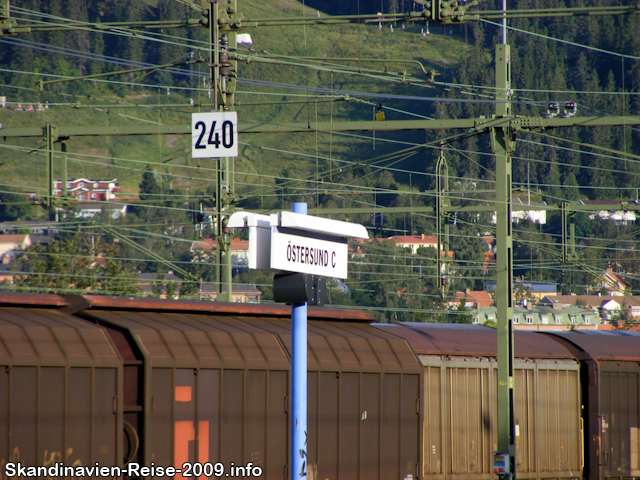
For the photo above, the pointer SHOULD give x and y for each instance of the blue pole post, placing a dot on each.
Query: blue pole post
(299, 381)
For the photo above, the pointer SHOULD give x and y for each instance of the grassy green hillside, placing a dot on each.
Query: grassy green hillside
(263, 158)
(299, 74)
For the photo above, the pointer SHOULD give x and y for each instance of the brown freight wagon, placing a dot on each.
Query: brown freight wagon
(110, 380)
(60, 379)
(459, 403)
(363, 398)
(209, 382)
(611, 392)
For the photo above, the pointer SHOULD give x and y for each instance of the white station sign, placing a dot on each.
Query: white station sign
(214, 134)
(293, 252)
(293, 242)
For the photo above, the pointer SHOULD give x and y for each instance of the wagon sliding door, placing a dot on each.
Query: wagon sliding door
(557, 432)
(619, 404)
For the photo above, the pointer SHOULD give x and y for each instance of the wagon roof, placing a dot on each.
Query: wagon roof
(50, 337)
(604, 345)
(471, 340)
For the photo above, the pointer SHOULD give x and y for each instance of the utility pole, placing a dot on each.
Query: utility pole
(52, 136)
(503, 144)
(442, 201)
(6, 22)
(214, 72)
(223, 73)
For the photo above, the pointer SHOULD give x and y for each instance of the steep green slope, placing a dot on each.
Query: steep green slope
(125, 157)
(318, 167)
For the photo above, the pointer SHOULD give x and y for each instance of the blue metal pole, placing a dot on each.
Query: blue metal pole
(299, 381)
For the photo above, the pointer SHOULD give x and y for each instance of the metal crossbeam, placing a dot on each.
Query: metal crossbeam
(476, 124)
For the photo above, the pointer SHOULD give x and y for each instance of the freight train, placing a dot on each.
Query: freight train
(90, 381)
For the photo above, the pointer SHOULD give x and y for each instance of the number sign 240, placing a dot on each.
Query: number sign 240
(214, 134)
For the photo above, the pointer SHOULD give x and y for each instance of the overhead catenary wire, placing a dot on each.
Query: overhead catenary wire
(566, 42)
(200, 168)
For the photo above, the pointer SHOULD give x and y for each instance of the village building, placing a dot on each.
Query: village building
(85, 189)
(538, 216)
(537, 290)
(609, 307)
(470, 299)
(414, 242)
(545, 318)
(156, 284)
(11, 243)
(613, 283)
(239, 251)
(612, 210)
(90, 210)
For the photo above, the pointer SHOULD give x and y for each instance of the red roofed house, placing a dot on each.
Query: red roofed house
(239, 249)
(489, 242)
(472, 299)
(488, 263)
(85, 189)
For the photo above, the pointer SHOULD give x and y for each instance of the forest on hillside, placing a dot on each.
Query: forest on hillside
(543, 71)
(592, 62)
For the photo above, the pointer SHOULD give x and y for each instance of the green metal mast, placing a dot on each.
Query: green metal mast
(223, 83)
(6, 22)
(442, 216)
(503, 143)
